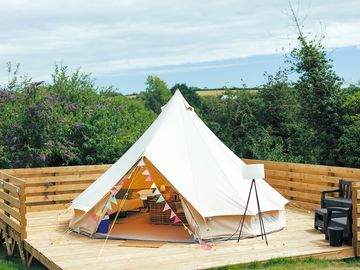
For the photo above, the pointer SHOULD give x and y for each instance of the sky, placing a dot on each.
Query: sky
(201, 43)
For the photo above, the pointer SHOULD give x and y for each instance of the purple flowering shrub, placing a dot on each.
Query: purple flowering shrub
(67, 122)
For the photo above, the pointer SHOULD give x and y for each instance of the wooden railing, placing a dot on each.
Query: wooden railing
(12, 212)
(356, 217)
(302, 183)
(53, 188)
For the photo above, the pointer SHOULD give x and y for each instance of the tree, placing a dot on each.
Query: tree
(156, 94)
(320, 96)
(349, 142)
(189, 94)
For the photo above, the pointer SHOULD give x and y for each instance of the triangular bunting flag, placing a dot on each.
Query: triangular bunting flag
(99, 214)
(77, 229)
(108, 205)
(118, 187)
(206, 246)
(172, 214)
(153, 185)
(113, 192)
(113, 199)
(177, 219)
(166, 207)
(190, 232)
(141, 163)
(161, 199)
(156, 192)
(148, 179)
(195, 237)
(146, 172)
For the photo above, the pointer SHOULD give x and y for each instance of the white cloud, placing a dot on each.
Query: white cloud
(110, 37)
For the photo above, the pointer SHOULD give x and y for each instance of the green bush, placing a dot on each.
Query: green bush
(67, 122)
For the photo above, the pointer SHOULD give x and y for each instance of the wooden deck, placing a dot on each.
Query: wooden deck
(48, 241)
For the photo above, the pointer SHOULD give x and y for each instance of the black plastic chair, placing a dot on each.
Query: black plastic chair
(344, 198)
(344, 222)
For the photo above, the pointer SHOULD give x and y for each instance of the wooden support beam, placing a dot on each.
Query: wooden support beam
(29, 258)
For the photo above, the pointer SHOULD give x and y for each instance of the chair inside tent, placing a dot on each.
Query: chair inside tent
(177, 183)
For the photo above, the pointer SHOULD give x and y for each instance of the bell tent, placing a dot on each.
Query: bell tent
(177, 173)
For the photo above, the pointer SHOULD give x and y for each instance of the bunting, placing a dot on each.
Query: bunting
(177, 219)
(166, 207)
(141, 163)
(160, 199)
(108, 205)
(172, 214)
(118, 187)
(77, 230)
(206, 246)
(113, 199)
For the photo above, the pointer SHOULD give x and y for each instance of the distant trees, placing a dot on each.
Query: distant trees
(314, 119)
(156, 94)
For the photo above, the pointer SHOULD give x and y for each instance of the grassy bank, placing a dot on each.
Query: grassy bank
(298, 264)
(14, 262)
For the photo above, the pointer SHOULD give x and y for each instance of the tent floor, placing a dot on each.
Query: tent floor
(48, 241)
(136, 226)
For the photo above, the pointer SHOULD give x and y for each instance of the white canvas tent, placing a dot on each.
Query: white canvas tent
(179, 150)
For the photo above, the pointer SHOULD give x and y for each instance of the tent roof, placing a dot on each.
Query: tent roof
(202, 169)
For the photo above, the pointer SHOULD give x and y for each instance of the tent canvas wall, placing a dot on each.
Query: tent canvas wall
(181, 151)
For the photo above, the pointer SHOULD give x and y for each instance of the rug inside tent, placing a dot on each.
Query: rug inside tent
(136, 226)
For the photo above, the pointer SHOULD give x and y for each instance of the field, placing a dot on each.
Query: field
(219, 92)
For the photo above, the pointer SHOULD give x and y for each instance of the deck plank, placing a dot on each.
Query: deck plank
(47, 235)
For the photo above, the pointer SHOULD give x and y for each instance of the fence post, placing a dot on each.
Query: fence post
(356, 217)
(23, 221)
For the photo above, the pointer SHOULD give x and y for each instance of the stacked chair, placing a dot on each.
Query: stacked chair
(335, 211)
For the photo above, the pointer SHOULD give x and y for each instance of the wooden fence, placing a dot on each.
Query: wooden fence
(12, 212)
(356, 217)
(42, 189)
(302, 183)
(54, 188)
